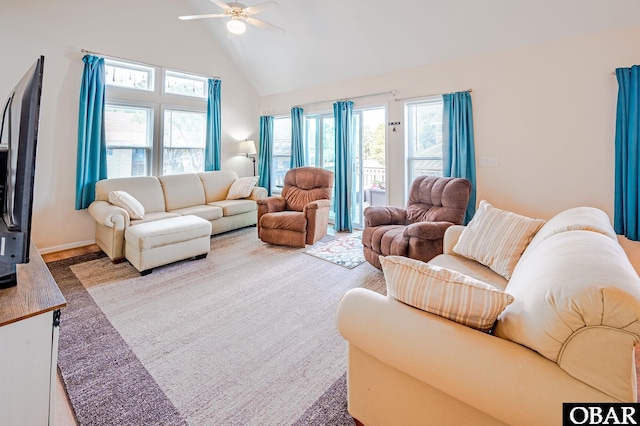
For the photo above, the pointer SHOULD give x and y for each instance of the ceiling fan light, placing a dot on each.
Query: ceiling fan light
(236, 26)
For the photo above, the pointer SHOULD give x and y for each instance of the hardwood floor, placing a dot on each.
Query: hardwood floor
(65, 254)
(63, 415)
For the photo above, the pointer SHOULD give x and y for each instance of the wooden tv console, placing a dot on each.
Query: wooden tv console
(29, 320)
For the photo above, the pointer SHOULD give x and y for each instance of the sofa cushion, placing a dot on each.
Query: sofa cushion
(570, 283)
(145, 189)
(497, 238)
(242, 187)
(128, 202)
(204, 212)
(234, 207)
(443, 292)
(183, 190)
(471, 268)
(153, 216)
(216, 184)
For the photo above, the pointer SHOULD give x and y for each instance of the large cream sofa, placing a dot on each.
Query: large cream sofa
(568, 336)
(198, 194)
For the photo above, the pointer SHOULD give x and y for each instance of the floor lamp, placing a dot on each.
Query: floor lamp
(248, 148)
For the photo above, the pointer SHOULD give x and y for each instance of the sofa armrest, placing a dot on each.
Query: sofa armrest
(451, 237)
(427, 230)
(384, 215)
(258, 193)
(271, 204)
(109, 215)
(508, 381)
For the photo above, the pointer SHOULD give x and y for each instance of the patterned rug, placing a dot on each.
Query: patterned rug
(344, 251)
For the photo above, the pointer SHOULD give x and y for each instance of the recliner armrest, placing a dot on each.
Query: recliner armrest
(109, 215)
(427, 230)
(384, 215)
(271, 204)
(318, 204)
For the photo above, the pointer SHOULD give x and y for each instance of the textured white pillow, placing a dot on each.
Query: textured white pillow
(497, 238)
(242, 187)
(126, 201)
(444, 292)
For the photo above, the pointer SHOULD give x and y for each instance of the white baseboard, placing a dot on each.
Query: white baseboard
(66, 246)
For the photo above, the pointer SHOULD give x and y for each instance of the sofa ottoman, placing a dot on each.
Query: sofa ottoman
(157, 243)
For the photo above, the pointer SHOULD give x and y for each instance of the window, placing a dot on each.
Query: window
(281, 151)
(424, 138)
(184, 84)
(151, 131)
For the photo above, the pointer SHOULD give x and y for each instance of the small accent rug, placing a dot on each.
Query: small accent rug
(344, 251)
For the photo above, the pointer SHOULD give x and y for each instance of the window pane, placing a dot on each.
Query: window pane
(128, 136)
(185, 84)
(311, 140)
(426, 129)
(126, 162)
(132, 76)
(127, 125)
(182, 160)
(281, 151)
(424, 139)
(183, 141)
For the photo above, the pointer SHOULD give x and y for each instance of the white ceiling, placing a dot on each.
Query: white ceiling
(326, 41)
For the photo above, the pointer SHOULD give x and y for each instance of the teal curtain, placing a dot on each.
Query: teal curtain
(265, 152)
(212, 147)
(626, 218)
(343, 116)
(297, 138)
(459, 158)
(91, 161)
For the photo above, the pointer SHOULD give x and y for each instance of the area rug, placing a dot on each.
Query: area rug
(344, 251)
(246, 336)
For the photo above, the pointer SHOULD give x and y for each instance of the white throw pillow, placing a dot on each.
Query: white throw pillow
(497, 238)
(444, 292)
(242, 187)
(128, 202)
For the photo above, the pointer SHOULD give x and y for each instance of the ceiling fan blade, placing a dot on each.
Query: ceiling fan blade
(260, 7)
(211, 15)
(220, 4)
(262, 24)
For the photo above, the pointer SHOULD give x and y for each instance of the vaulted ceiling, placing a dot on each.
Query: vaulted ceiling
(326, 41)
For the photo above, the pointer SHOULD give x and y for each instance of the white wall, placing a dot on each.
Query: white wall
(546, 112)
(120, 28)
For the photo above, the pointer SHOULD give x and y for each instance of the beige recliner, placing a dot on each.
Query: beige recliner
(300, 215)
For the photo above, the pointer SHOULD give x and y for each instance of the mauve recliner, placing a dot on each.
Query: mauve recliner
(435, 203)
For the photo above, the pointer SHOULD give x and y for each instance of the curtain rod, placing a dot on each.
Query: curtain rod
(388, 92)
(425, 96)
(89, 52)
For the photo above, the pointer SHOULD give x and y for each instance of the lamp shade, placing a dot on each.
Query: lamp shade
(246, 147)
(236, 26)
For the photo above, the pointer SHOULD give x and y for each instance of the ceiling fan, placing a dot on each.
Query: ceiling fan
(239, 14)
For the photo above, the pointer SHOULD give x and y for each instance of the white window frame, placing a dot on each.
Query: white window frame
(275, 188)
(164, 107)
(411, 157)
(157, 99)
(186, 76)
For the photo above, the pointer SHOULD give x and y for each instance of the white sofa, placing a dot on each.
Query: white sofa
(568, 336)
(198, 194)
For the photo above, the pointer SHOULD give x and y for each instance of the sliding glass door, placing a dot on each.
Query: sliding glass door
(368, 151)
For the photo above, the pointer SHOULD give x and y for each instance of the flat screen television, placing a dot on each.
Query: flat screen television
(18, 140)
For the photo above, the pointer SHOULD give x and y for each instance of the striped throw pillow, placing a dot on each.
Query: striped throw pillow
(444, 292)
(497, 238)
(242, 187)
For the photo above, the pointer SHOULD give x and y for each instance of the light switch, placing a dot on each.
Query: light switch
(488, 162)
